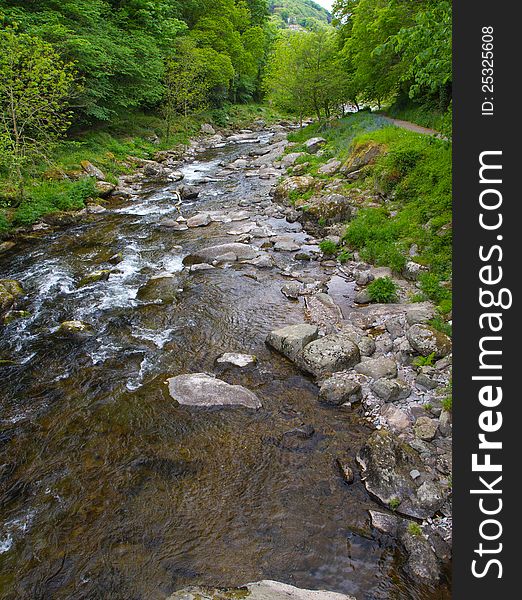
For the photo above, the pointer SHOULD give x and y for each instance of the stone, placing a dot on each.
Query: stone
(426, 382)
(260, 590)
(426, 340)
(378, 368)
(237, 360)
(290, 341)
(288, 160)
(201, 267)
(75, 328)
(94, 277)
(104, 189)
(313, 144)
(199, 220)
(207, 129)
(445, 423)
(420, 312)
(330, 168)
(343, 462)
(415, 474)
(366, 345)
(328, 209)
(334, 352)
(299, 184)
(92, 171)
(173, 225)
(202, 389)
(386, 462)
(163, 289)
(421, 563)
(397, 419)
(426, 428)
(232, 252)
(286, 245)
(363, 155)
(412, 270)
(385, 522)
(265, 261)
(7, 245)
(362, 297)
(390, 390)
(339, 389)
(10, 291)
(188, 192)
(292, 290)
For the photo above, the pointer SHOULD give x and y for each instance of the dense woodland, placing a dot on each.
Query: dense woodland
(68, 67)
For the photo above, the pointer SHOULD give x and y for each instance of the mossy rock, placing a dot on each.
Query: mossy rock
(362, 155)
(94, 277)
(10, 291)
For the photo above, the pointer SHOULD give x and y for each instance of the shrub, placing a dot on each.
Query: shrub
(447, 403)
(328, 247)
(344, 256)
(383, 290)
(441, 325)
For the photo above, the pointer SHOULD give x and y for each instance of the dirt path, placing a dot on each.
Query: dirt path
(412, 126)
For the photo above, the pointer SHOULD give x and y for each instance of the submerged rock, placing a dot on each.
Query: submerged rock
(237, 360)
(94, 277)
(201, 389)
(260, 590)
(165, 289)
(75, 328)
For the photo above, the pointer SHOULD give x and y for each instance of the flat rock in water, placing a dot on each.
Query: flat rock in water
(199, 220)
(201, 389)
(260, 590)
(238, 360)
(233, 252)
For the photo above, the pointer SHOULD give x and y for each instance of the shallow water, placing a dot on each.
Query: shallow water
(109, 488)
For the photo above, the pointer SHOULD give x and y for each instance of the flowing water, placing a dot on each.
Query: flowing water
(109, 488)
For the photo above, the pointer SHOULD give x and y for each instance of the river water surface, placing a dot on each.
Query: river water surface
(109, 488)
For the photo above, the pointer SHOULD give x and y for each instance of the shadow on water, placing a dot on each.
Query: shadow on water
(109, 488)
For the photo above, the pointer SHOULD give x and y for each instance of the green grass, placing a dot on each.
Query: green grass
(414, 529)
(420, 115)
(328, 247)
(424, 361)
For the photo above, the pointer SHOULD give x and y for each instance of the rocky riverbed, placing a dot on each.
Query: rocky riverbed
(194, 395)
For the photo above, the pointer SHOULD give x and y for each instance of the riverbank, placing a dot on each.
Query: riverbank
(189, 265)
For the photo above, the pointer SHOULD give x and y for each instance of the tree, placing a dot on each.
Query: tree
(35, 85)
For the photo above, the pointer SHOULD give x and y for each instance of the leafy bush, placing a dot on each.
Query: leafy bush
(441, 325)
(383, 290)
(328, 247)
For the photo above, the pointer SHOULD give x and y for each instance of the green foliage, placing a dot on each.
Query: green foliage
(34, 86)
(344, 256)
(414, 529)
(424, 361)
(447, 404)
(441, 325)
(383, 290)
(394, 503)
(415, 173)
(328, 247)
(53, 196)
(305, 13)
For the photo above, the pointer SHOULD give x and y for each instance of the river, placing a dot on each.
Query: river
(110, 489)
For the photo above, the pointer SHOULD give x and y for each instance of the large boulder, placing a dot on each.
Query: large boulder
(330, 168)
(290, 341)
(362, 155)
(390, 390)
(75, 328)
(387, 464)
(332, 353)
(222, 253)
(104, 189)
(201, 389)
(330, 209)
(260, 590)
(426, 340)
(422, 563)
